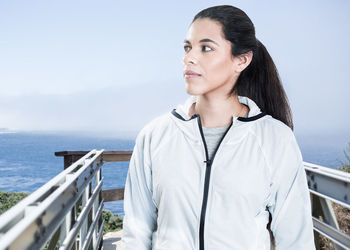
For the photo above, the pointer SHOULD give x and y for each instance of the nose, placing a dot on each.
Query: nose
(190, 58)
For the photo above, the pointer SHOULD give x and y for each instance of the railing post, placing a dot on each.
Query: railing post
(323, 208)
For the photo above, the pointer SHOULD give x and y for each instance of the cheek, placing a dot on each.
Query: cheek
(219, 69)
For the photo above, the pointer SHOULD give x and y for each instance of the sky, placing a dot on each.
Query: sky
(110, 67)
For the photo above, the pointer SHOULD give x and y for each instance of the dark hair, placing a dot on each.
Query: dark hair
(259, 81)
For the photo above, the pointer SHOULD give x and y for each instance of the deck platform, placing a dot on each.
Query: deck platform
(112, 240)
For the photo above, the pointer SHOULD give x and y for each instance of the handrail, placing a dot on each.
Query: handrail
(51, 212)
(329, 183)
(325, 185)
(69, 157)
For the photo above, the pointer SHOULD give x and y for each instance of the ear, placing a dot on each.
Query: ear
(242, 61)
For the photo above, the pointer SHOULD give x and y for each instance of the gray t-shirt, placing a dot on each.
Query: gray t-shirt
(212, 137)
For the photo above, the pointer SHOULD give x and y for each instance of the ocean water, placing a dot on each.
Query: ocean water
(27, 160)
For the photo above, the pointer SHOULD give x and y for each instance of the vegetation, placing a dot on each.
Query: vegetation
(7, 200)
(345, 166)
(112, 222)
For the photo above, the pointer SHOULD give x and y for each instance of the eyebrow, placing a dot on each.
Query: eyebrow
(202, 41)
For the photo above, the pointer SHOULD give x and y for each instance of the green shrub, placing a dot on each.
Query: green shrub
(9, 199)
(112, 222)
(345, 166)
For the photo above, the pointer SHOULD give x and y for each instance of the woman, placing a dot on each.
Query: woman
(209, 174)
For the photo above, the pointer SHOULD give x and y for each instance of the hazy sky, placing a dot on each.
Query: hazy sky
(112, 66)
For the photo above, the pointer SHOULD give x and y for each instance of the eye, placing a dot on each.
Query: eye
(206, 48)
(187, 48)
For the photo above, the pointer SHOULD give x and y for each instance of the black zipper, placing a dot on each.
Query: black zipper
(206, 181)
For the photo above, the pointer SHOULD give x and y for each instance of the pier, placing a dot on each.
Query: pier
(65, 213)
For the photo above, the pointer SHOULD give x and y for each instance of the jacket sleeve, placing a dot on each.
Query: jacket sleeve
(290, 205)
(140, 210)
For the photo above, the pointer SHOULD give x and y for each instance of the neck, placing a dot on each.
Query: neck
(218, 112)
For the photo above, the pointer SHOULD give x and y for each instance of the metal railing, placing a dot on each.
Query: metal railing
(36, 227)
(64, 213)
(328, 185)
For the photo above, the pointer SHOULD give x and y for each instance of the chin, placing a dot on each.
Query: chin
(192, 91)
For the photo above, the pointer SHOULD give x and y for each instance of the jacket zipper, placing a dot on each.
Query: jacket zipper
(206, 182)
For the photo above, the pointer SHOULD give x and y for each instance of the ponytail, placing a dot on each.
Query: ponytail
(260, 82)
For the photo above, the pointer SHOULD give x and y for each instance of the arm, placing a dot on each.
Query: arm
(290, 204)
(140, 211)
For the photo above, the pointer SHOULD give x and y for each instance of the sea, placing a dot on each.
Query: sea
(27, 159)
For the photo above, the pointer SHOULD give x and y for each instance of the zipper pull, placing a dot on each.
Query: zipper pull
(207, 161)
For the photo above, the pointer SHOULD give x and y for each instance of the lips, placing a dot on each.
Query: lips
(190, 74)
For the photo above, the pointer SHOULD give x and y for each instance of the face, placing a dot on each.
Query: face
(208, 64)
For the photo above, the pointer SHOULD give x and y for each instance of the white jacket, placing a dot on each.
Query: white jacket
(175, 199)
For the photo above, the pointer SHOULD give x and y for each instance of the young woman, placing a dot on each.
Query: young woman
(211, 173)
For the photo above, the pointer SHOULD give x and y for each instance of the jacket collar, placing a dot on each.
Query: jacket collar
(182, 110)
(189, 124)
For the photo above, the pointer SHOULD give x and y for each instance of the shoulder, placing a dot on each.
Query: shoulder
(155, 127)
(278, 143)
(273, 131)
(274, 137)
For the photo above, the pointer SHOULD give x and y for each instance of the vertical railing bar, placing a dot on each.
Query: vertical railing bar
(93, 226)
(83, 229)
(54, 239)
(89, 235)
(65, 227)
(99, 236)
(72, 234)
(94, 209)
